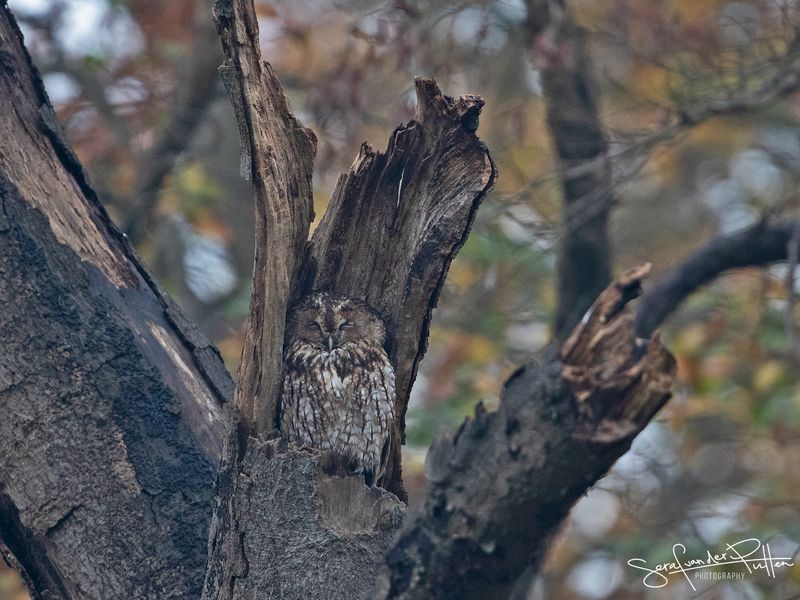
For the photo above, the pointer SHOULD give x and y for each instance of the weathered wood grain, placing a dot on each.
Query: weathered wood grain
(395, 222)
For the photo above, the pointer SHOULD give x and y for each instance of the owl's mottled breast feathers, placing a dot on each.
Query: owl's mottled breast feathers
(338, 384)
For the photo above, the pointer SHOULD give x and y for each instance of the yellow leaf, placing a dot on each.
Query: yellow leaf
(767, 375)
(691, 339)
(481, 350)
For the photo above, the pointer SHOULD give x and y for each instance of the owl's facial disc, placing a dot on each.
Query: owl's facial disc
(329, 322)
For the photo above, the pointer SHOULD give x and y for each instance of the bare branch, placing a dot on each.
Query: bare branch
(194, 90)
(784, 81)
(278, 156)
(764, 243)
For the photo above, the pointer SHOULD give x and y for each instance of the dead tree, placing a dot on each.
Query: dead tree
(113, 403)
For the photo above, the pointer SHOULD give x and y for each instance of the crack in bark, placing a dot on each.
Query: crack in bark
(22, 548)
(5, 224)
(61, 522)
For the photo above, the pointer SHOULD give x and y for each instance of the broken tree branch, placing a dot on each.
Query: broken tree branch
(395, 222)
(502, 486)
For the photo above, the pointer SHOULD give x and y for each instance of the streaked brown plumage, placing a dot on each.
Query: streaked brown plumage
(338, 384)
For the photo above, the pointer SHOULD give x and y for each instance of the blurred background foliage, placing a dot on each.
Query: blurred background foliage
(133, 82)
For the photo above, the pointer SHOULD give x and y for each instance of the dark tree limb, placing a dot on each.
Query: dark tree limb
(501, 487)
(560, 47)
(111, 400)
(764, 243)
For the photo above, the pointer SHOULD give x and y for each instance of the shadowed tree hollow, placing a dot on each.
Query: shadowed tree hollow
(131, 466)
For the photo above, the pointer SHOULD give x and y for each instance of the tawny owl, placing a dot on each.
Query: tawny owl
(338, 384)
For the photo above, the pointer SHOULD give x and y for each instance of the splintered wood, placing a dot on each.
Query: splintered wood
(618, 381)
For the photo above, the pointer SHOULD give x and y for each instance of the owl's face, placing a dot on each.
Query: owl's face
(327, 322)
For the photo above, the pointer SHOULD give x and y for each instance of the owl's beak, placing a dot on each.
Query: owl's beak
(330, 343)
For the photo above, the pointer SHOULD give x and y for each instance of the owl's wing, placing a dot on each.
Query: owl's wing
(378, 399)
(308, 406)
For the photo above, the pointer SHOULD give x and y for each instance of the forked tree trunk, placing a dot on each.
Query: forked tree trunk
(112, 401)
(393, 225)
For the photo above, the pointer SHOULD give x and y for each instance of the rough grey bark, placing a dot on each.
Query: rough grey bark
(111, 401)
(501, 487)
(290, 531)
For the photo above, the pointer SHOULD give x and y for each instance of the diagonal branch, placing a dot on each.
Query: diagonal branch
(194, 90)
(503, 485)
(764, 243)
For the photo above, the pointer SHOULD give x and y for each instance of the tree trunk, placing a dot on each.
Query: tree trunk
(111, 400)
(394, 224)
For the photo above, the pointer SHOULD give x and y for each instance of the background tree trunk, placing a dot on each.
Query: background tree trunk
(560, 48)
